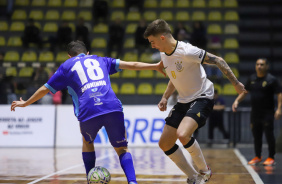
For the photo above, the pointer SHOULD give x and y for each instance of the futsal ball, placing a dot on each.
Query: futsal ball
(100, 175)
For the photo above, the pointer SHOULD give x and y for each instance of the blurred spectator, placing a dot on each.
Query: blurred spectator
(64, 34)
(100, 11)
(140, 42)
(134, 5)
(81, 33)
(216, 117)
(38, 78)
(11, 89)
(213, 72)
(7, 89)
(57, 97)
(199, 35)
(47, 99)
(2, 69)
(214, 43)
(2, 57)
(3, 92)
(8, 9)
(64, 37)
(31, 34)
(116, 35)
(181, 33)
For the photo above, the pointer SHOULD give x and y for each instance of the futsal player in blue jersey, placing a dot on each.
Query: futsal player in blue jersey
(95, 104)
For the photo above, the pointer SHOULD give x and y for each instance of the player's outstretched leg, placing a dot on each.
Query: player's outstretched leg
(88, 155)
(172, 150)
(89, 159)
(126, 163)
(195, 151)
(176, 155)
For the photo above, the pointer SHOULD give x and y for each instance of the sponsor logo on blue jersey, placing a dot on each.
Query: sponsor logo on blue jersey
(93, 84)
(91, 95)
(98, 101)
(94, 89)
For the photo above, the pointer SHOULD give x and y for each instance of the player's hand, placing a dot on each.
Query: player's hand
(234, 106)
(278, 114)
(240, 88)
(160, 67)
(15, 104)
(162, 104)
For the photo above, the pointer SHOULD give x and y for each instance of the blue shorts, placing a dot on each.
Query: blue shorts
(114, 125)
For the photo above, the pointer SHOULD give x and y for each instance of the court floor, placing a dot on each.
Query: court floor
(65, 165)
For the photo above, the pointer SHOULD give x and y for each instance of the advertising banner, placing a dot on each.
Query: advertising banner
(67, 127)
(143, 123)
(32, 126)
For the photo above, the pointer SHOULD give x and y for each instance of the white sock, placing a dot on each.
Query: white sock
(197, 156)
(183, 164)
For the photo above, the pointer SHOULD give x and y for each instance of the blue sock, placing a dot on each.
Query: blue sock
(127, 166)
(89, 159)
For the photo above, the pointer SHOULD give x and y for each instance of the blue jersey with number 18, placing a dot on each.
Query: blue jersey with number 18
(87, 79)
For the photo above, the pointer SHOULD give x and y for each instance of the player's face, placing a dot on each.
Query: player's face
(261, 66)
(157, 42)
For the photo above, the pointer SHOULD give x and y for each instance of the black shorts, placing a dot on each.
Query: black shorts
(198, 109)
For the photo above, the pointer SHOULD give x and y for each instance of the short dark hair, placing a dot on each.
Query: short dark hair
(76, 47)
(156, 27)
(265, 59)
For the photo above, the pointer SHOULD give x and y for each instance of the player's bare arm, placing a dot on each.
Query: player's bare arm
(42, 91)
(278, 112)
(131, 65)
(224, 68)
(240, 98)
(168, 92)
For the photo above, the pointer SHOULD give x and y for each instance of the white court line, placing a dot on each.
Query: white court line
(254, 174)
(139, 179)
(79, 165)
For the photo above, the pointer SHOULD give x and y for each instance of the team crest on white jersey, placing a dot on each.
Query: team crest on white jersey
(179, 66)
(264, 83)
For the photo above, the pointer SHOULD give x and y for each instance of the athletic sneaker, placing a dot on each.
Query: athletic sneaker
(255, 161)
(197, 180)
(269, 162)
(206, 175)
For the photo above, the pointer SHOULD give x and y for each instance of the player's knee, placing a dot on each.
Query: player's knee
(183, 137)
(164, 145)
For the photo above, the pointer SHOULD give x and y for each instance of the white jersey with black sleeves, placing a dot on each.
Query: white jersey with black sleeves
(184, 69)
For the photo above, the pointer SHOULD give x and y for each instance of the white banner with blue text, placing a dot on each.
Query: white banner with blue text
(32, 126)
(143, 123)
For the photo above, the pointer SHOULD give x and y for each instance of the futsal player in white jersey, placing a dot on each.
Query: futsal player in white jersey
(183, 65)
